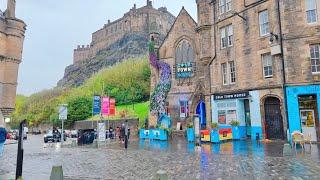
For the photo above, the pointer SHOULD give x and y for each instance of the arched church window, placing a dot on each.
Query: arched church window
(185, 57)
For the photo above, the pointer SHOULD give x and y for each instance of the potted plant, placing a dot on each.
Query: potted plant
(190, 132)
(214, 134)
(235, 129)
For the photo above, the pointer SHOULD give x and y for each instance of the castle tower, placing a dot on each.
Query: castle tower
(12, 32)
(149, 3)
(11, 9)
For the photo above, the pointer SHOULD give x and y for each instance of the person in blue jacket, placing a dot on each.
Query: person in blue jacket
(3, 137)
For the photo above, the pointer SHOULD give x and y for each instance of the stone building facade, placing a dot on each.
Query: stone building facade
(138, 20)
(239, 50)
(12, 32)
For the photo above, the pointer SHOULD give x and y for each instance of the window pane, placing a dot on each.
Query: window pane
(264, 22)
(315, 60)
(222, 117)
(224, 73)
(310, 4)
(311, 16)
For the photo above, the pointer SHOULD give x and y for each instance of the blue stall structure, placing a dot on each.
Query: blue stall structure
(161, 133)
(303, 104)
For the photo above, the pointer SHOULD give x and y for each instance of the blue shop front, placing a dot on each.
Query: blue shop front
(303, 104)
(243, 107)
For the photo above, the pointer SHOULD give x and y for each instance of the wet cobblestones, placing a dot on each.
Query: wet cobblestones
(238, 160)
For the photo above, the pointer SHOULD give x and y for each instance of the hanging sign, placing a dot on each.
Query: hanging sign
(63, 112)
(184, 70)
(96, 105)
(231, 95)
(105, 106)
(112, 107)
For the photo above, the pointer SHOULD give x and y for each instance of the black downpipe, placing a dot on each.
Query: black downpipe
(283, 65)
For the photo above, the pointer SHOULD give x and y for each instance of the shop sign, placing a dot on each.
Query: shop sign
(184, 70)
(231, 96)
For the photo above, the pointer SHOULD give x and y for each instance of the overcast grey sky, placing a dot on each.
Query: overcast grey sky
(56, 27)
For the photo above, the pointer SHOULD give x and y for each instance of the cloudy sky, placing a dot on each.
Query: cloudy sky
(56, 27)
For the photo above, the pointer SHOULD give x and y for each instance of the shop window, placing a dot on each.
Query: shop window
(308, 108)
(264, 23)
(226, 35)
(311, 11)
(227, 112)
(267, 65)
(315, 58)
(184, 109)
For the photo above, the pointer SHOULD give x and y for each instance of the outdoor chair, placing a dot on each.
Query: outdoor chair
(297, 138)
(307, 139)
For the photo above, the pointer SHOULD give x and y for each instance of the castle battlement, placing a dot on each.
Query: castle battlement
(137, 20)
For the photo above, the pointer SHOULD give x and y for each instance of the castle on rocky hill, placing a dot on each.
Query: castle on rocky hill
(142, 20)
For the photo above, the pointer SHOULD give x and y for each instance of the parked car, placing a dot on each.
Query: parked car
(86, 136)
(53, 136)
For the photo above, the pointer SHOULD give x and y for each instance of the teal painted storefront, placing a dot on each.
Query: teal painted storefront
(255, 127)
(293, 93)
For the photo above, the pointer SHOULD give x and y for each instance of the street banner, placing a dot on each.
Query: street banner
(105, 106)
(112, 110)
(101, 132)
(63, 112)
(96, 105)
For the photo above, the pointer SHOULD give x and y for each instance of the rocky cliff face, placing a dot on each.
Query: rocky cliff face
(130, 46)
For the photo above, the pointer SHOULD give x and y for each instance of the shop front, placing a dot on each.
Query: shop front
(303, 110)
(241, 107)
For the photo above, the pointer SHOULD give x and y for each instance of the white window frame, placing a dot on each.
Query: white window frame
(267, 65)
(225, 6)
(315, 58)
(311, 9)
(226, 36)
(264, 23)
(229, 73)
(232, 72)
(223, 38)
(224, 72)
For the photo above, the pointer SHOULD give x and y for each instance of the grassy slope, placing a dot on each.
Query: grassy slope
(141, 111)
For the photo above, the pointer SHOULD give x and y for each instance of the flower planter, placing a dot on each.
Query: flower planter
(235, 132)
(144, 134)
(190, 135)
(214, 136)
(158, 134)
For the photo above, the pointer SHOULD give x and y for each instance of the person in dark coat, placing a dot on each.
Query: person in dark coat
(3, 137)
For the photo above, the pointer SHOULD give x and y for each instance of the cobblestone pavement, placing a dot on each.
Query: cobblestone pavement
(230, 160)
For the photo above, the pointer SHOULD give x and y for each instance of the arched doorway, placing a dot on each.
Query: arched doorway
(201, 111)
(273, 118)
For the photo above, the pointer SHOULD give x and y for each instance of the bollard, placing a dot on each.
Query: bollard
(74, 143)
(162, 175)
(287, 151)
(56, 173)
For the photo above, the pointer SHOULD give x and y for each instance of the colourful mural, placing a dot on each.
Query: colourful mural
(159, 95)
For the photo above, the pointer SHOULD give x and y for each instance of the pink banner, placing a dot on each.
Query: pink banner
(105, 106)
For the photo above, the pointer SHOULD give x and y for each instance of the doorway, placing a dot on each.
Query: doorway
(247, 117)
(201, 111)
(309, 115)
(273, 118)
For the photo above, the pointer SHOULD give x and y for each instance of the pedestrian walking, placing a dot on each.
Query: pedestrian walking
(3, 137)
(126, 135)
